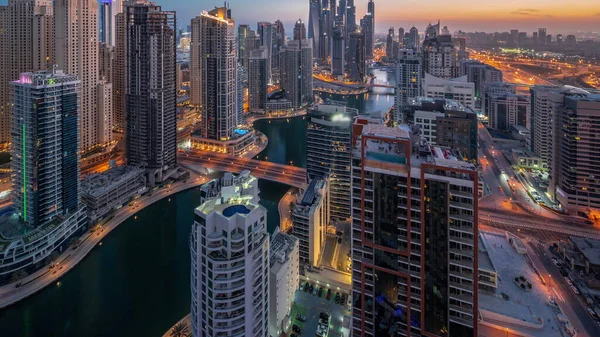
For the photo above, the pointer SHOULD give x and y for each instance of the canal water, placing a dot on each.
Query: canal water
(137, 282)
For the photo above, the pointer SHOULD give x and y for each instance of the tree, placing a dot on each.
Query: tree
(180, 329)
(18, 276)
(51, 260)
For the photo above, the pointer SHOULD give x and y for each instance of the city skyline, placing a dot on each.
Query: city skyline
(466, 15)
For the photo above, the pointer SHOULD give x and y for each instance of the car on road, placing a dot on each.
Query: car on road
(575, 290)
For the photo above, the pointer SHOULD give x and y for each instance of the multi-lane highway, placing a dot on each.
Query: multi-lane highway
(289, 175)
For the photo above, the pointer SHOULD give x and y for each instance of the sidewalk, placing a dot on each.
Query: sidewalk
(37, 281)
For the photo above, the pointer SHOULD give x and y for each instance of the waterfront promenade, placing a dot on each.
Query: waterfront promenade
(10, 294)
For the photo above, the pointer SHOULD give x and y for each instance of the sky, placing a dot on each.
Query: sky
(558, 16)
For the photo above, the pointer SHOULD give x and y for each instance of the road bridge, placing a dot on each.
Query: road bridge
(285, 174)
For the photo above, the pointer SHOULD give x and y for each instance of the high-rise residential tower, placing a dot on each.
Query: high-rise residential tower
(26, 44)
(299, 30)
(575, 163)
(229, 247)
(414, 237)
(314, 24)
(151, 89)
(76, 41)
(44, 146)
(414, 40)
(109, 9)
(268, 40)
(366, 24)
(120, 74)
(338, 52)
(296, 71)
(440, 58)
(213, 72)
(258, 81)
(328, 143)
(357, 59)
(408, 80)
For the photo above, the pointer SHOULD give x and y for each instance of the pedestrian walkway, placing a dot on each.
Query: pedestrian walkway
(10, 294)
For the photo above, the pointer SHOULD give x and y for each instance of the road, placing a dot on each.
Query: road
(577, 314)
(37, 281)
(289, 175)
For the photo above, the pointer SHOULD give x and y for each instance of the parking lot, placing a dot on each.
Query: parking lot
(308, 306)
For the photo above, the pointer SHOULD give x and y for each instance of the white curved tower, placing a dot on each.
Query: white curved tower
(229, 248)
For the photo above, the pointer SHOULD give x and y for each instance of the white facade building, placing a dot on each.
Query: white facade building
(229, 248)
(311, 216)
(457, 89)
(284, 279)
(427, 121)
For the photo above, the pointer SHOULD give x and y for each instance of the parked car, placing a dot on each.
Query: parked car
(592, 313)
(324, 316)
(301, 318)
(575, 290)
(320, 292)
(315, 291)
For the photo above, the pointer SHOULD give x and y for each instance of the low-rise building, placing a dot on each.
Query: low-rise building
(284, 279)
(582, 254)
(109, 190)
(458, 89)
(526, 159)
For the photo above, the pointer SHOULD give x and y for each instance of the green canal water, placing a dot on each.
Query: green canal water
(137, 282)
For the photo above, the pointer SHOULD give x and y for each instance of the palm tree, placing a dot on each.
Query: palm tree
(180, 329)
(18, 276)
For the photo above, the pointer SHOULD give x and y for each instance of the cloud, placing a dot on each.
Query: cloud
(530, 12)
(525, 11)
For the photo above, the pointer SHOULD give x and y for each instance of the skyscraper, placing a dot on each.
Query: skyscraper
(109, 9)
(542, 36)
(213, 72)
(299, 30)
(328, 143)
(314, 25)
(401, 37)
(76, 39)
(338, 51)
(296, 71)
(247, 41)
(120, 74)
(151, 90)
(481, 75)
(414, 234)
(505, 110)
(229, 248)
(389, 44)
(26, 44)
(279, 42)
(258, 80)
(575, 168)
(366, 24)
(413, 39)
(440, 58)
(268, 39)
(357, 59)
(547, 102)
(408, 80)
(44, 146)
